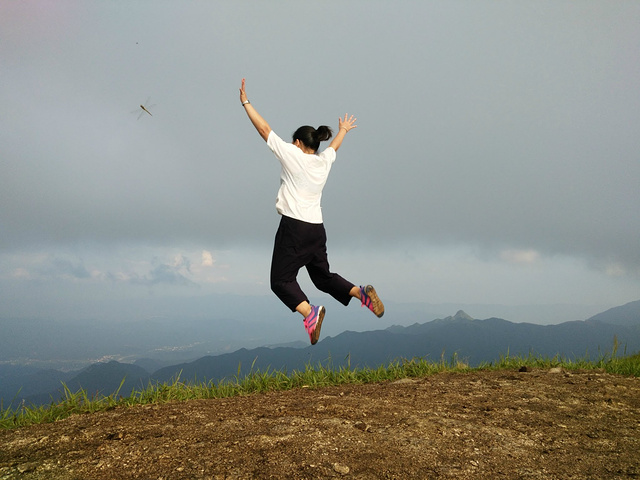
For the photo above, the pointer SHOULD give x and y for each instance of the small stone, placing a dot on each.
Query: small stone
(30, 467)
(341, 469)
(362, 426)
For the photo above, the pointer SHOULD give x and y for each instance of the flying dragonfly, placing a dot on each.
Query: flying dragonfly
(145, 108)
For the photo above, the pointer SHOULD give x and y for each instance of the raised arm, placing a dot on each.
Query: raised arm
(344, 125)
(260, 123)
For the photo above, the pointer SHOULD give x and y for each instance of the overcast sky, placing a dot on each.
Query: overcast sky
(496, 159)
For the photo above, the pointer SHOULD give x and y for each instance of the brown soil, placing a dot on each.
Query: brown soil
(539, 424)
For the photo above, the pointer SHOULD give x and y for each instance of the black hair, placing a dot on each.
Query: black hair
(311, 137)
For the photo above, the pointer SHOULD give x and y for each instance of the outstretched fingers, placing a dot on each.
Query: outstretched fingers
(348, 122)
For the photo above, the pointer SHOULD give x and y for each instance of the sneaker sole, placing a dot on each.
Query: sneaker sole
(378, 306)
(316, 333)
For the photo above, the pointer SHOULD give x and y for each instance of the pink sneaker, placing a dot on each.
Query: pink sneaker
(313, 323)
(370, 299)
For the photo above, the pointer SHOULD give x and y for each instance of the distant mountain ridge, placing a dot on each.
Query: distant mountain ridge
(627, 314)
(470, 340)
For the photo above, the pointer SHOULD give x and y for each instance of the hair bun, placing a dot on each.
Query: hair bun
(323, 133)
(311, 137)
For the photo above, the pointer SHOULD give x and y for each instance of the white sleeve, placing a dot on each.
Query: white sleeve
(329, 155)
(277, 145)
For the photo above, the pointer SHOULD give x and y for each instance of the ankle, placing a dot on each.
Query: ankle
(304, 309)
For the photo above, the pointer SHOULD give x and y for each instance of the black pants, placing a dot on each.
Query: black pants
(300, 244)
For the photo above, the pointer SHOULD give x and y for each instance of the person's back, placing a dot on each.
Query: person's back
(302, 179)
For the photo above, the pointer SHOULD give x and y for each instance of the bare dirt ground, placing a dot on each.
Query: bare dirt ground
(539, 424)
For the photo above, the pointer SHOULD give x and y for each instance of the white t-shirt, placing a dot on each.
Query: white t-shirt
(302, 179)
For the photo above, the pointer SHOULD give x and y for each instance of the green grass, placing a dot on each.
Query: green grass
(278, 380)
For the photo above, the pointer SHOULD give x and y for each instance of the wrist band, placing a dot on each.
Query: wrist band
(245, 102)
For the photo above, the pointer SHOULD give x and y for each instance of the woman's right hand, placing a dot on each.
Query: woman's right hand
(260, 123)
(243, 94)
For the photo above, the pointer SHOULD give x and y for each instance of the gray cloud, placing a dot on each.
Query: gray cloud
(162, 274)
(57, 267)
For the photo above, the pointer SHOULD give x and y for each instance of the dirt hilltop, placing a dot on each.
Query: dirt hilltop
(541, 424)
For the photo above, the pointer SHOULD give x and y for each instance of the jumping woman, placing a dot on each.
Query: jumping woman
(301, 240)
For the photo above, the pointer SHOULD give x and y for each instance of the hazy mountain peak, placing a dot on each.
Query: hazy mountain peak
(462, 315)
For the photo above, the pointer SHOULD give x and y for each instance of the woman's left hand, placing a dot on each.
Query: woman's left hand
(347, 123)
